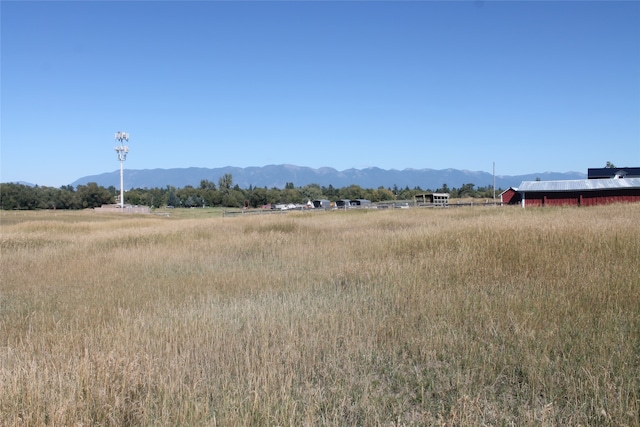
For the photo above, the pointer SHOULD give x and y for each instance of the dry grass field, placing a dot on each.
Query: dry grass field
(464, 316)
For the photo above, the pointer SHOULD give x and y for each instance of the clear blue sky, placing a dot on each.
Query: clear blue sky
(534, 86)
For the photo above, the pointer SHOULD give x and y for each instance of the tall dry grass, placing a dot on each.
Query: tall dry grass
(464, 316)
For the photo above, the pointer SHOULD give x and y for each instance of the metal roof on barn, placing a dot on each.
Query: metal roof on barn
(579, 185)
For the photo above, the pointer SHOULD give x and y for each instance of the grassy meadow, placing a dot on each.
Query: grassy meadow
(460, 316)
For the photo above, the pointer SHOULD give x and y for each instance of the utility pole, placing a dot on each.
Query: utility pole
(494, 183)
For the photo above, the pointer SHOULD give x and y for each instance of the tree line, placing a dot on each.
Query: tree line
(224, 194)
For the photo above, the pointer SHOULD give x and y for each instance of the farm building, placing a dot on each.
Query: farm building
(431, 199)
(580, 192)
(604, 173)
(361, 203)
(322, 204)
(510, 196)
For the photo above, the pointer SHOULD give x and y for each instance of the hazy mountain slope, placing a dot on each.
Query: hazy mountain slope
(278, 175)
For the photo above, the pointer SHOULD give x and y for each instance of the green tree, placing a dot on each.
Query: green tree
(291, 195)
(157, 197)
(485, 192)
(406, 193)
(330, 192)
(93, 196)
(444, 189)
(211, 197)
(258, 197)
(273, 195)
(311, 192)
(467, 190)
(233, 199)
(225, 183)
(67, 198)
(382, 194)
(205, 184)
(172, 198)
(135, 196)
(352, 192)
(12, 195)
(189, 197)
(48, 198)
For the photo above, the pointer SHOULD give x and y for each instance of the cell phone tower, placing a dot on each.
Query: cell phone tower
(122, 151)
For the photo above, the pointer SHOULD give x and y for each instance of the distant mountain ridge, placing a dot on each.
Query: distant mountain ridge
(277, 176)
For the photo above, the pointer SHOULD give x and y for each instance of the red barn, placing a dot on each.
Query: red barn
(580, 192)
(510, 196)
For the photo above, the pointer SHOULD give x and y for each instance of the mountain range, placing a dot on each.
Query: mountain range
(279, 175)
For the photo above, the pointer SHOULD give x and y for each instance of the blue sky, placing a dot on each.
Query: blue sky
(532, 86)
